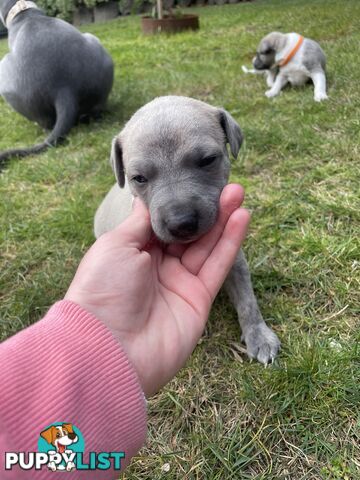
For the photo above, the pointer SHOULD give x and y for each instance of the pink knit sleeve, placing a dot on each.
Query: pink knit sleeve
(69, 368)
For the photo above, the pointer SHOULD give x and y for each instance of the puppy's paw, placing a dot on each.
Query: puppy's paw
(318, 97)
(261, 343)
(270, 93)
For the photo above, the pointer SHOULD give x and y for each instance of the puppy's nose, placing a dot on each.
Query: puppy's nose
(72, 436)
(256, 62)
(183, 226)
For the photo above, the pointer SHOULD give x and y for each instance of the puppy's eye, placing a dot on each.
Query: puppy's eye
(267, 51)
(205, 162)
(139, 179)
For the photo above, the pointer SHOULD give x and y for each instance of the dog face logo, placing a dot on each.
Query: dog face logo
(61, 447)
(61, 437)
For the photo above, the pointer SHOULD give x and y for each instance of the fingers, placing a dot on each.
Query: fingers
(136, 230)
(195, 255)
(216, 268)
(176, 249)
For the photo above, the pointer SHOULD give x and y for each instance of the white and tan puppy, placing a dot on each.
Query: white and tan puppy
(291, 58)
(173, 155)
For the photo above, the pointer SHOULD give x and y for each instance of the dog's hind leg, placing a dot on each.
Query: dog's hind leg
(319, 81)
(261, 342)
(66, 109)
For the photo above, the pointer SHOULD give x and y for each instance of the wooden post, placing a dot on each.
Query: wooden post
(159, 9)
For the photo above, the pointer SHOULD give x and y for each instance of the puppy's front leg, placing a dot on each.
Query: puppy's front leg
(319, 81)
(280, 82)
(261, 341)
(270, 78)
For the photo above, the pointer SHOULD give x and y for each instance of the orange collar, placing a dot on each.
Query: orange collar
(287, 59)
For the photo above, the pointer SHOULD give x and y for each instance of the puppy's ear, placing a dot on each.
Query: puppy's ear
(234, 136)
(49, 434)
(266, 48)
(116, 162)
(68, 427)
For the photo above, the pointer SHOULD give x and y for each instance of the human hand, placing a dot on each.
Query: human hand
(155, 298)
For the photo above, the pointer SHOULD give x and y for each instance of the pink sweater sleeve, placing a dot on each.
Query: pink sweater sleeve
(69, 368)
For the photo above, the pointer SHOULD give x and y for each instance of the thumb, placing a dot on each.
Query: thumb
(136, 230)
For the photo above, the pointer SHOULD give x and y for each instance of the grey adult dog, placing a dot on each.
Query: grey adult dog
(53, 74)
(291, 58)
(173, 155)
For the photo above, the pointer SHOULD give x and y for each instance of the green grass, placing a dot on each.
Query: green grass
(222, 417)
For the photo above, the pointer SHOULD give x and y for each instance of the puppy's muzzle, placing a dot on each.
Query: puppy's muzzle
(258, 64)
(72, 436)
(183, 225)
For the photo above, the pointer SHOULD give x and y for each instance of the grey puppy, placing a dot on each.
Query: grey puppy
(173, 155)
(291, 58)
(53, 74)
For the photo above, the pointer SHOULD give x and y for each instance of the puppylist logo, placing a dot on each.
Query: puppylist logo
(61, 447)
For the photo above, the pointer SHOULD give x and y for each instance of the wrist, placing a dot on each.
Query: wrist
(101, 316)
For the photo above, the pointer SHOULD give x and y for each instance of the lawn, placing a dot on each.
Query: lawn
(224, 417)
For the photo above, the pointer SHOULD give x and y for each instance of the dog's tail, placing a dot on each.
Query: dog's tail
(66, 114)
